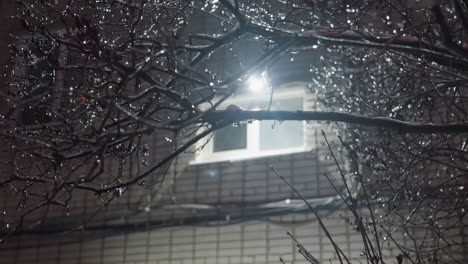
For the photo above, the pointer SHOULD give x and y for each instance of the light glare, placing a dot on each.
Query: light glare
(257, 83)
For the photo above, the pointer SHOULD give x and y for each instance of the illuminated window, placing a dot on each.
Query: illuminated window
(258, 138)
(230, 138)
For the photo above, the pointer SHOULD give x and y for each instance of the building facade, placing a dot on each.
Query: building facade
(223, 201)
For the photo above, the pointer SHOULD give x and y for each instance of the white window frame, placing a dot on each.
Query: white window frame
(205, 152)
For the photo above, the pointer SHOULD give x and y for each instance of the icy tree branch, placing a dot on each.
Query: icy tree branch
(227, 116)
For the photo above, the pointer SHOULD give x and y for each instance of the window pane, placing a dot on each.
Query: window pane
(41, 78)
(230, 138)
(281, 135)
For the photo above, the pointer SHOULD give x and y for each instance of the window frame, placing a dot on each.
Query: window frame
(205, 153)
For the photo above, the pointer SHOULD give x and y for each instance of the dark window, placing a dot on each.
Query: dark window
(37, 84)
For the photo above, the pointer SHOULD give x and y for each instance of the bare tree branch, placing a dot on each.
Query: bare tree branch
(384, 122)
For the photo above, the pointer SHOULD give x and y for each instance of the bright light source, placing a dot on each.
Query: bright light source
(258, 83)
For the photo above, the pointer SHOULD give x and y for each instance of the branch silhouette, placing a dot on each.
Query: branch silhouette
(384, 122)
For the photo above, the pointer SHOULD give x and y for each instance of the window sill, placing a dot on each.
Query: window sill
(246, 156)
